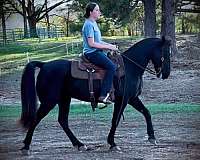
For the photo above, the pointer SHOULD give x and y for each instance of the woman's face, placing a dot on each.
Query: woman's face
(96, 13)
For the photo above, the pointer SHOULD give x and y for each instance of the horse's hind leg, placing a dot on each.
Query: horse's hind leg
(41, 113)
(63, 120)
(139, 106)
(118, 107)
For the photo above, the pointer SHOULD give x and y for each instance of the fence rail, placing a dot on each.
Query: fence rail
(18, 34)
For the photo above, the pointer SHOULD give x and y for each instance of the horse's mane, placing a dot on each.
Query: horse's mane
(141, 44)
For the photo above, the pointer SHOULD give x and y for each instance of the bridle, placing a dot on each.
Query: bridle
(147, 69)
(140, 66)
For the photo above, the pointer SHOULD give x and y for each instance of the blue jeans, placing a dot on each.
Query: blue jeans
(100, 59)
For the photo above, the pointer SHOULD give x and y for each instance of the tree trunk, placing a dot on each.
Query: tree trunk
(129, 31)
(67, 23)
(168, 22)
(141, 24)
(149, 18)
(32, 27)
(136, 29)
(198, 22)
(34, 12)
(47, 19)
(25, 19)
(183, 25)
(3, 22)
(132, 30)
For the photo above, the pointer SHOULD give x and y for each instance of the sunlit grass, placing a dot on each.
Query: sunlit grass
(32, 44)
(10, 57)
(166, 108)
(39, 40)
(84, 110)
(45, 46)
(15, 55)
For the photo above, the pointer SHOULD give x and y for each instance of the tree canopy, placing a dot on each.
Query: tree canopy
(133, 17)
(34, 11)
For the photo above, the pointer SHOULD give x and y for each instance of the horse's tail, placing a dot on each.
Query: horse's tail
(28, 94)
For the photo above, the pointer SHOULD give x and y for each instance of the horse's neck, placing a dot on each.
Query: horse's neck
(141, 51)
(137, 60)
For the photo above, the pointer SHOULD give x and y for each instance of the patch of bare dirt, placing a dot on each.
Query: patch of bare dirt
(182, 86)
(177, 133)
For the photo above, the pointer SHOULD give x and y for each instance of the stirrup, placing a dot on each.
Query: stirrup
(105, 100)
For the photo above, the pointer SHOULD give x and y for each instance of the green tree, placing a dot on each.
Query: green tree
(114, 15)
(2, 11)
(5, 12)
(136, 21)
(34, 11)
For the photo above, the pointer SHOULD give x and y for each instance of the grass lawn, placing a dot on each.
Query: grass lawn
(35, 47)
(13, 112)
(14, 56)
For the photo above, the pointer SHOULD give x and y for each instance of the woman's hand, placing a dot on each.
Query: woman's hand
(113, 47)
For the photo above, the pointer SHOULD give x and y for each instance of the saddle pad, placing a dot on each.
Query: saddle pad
(76, 72)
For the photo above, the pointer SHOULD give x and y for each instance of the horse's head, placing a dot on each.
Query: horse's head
(161, 58)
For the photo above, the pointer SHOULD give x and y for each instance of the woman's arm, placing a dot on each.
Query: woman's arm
(107, 46)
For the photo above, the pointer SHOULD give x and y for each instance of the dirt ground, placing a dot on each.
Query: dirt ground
(182, 86)
(178, 134)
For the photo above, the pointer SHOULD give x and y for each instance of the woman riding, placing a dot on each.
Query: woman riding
(93, 49)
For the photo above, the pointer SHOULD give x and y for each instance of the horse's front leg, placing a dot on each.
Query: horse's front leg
(118, 110)
(139, 106)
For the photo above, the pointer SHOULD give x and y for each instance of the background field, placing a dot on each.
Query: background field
(174, 104)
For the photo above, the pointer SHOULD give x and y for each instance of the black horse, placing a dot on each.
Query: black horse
(55, 85)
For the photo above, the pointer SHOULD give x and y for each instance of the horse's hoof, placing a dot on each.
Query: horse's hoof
(153, 141)
(25, 148)
(82, 148)
(115, 148)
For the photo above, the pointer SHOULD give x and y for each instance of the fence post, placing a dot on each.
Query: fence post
(22, 33)
(39, 39)
(13, 35)
(67, 49)
(44, 33)
(72, 48)
(56, 33)
(27, 56)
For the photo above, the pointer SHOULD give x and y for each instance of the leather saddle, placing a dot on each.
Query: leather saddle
(81, 67)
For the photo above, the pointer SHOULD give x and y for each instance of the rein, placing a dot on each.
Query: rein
(147, 69)
(140, 66)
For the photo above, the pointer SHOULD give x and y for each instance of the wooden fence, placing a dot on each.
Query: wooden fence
(18, 34)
